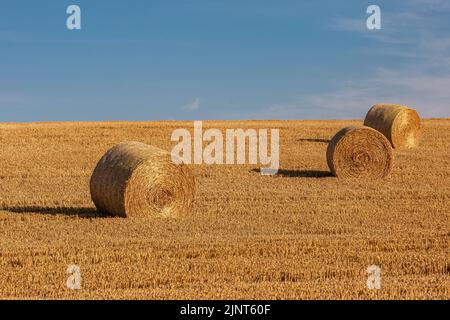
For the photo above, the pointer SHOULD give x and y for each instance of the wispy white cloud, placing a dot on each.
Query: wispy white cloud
(194, 105)
(428, 94)
(422, 81)
(10, 99)
(395, 26)
(350, 24)
(439, 5)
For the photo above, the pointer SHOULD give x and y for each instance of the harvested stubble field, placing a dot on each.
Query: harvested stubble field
(300, 234)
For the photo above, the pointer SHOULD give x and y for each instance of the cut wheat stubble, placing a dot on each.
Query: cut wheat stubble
(401, 125)
(136, 179)
(359, 152)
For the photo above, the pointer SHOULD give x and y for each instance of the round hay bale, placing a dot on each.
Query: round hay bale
(359, 152)
(136, 179)
(399, 124)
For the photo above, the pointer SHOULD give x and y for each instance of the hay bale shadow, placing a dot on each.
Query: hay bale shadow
(301, 173)
(81, 212)
(314, 140)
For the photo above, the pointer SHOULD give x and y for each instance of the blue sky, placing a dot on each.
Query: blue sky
(221, 59)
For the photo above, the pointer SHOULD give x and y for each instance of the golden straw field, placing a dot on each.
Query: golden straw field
(301, 234)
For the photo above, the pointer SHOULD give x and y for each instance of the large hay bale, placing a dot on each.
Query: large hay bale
(134, 178)
(359, 152)
(399, 124)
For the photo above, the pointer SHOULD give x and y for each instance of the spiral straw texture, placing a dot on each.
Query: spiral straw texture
(399, 124)
(359, 152)
(135, 179)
